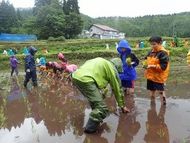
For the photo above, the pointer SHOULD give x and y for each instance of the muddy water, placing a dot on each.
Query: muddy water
(57, 113)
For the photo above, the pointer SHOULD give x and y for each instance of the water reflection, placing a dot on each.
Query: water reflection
(157, 130)
(55, 112)
(98, 138)
(54, 104)
(128, 126)
(15, 91)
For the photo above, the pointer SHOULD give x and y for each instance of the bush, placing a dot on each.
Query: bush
(52, 39)
(61, 38)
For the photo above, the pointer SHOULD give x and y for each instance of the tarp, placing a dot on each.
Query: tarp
(17, 37)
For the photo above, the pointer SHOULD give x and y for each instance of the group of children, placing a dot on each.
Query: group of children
(57, 68)
(156, 65)
(51, 68)
(96, 74)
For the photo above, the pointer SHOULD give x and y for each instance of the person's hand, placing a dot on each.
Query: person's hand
(151, 66)
(145, 64)
(128, 61)
(125, 109)
(28, 70)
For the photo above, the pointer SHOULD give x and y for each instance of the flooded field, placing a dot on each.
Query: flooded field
(56, 112)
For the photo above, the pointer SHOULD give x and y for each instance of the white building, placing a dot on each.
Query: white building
(105, 32)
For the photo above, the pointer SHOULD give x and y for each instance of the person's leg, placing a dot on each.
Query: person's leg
(162, 97)
(99, 108)
(34, 78)
(124, 84)
(152, 89)
(152, 94)
(16, 70)
(27, 78)
(12, 71)
(132, 88)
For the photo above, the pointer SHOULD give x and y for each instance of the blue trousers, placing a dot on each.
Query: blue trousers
(30, 75)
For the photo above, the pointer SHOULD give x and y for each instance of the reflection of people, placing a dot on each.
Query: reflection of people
(30, 67)
(16, 108)
(14, 91)
(157, 130)
(62, 110)
(157, 69)
(34, 105)
(93, 75)
(128, 127)
(96, 138)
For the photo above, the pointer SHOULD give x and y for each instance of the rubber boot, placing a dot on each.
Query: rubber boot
(25, 84)
(91, 126)
(35, 84)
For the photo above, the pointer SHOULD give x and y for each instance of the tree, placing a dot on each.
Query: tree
(73, 25)
(70, 6)
(40, 3)
(50, 20)
(8, 18)
(73, 20)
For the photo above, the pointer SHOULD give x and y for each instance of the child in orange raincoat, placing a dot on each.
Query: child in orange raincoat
(157, 68)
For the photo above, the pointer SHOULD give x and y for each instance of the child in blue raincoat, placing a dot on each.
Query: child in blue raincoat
(30, 67)
(42, 61)
(10, 52)
(129, 61)
(25, 51)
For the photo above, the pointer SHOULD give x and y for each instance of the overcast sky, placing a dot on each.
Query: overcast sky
(126, 8)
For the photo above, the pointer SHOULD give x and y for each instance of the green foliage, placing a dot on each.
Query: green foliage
(73, 20)
(70, 6)
(61, 38)
(40, 3)
(164, 25)
(8, 17)
(50, 21)
(73, 25)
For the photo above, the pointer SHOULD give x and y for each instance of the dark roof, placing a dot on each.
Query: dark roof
(104, 27)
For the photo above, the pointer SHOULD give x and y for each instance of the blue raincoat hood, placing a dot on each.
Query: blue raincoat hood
(124, 44)
(32, 50)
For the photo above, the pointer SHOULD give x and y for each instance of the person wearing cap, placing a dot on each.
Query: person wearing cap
(30, 67)
(129, 61)
(90, 78)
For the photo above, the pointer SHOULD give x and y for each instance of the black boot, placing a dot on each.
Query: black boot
(35, 84)
(25, 84)
(91, 126)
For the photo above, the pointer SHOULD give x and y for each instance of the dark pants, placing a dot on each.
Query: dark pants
(28, 76)
(14, 69)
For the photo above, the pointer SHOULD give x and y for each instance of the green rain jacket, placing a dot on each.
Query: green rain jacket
(101, 72)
